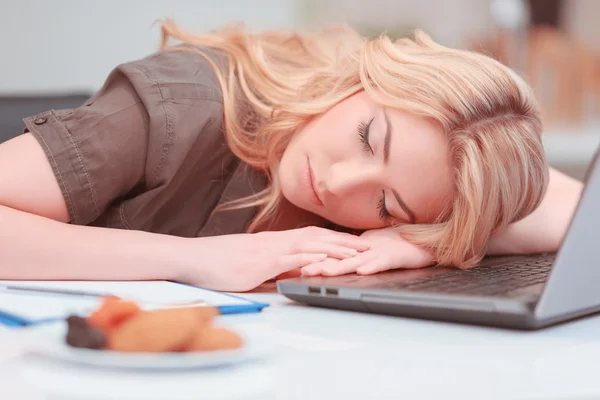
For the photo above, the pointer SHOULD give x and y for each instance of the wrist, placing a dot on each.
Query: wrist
(181, 261)
(168, 257)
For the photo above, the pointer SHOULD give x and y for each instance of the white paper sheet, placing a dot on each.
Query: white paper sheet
(35, 306)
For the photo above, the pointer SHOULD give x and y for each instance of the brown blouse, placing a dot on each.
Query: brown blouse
(147, 151)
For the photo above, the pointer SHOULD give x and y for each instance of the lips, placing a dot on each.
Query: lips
(314, 197)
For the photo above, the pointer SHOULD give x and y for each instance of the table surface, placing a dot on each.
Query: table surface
(329, 354)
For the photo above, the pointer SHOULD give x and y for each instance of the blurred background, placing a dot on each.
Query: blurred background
(57, 53)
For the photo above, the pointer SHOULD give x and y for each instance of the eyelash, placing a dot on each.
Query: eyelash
(384, 214)
(363, 134)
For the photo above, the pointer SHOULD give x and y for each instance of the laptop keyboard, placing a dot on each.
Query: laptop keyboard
(500, 279)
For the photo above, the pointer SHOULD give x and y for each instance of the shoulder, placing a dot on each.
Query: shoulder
(182, 72)
(182, 95)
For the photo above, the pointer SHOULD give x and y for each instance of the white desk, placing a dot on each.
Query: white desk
(327, 354)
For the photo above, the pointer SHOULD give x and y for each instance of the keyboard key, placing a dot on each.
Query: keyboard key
(494, 280)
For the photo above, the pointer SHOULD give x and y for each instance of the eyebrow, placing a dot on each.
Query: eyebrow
(386, 156)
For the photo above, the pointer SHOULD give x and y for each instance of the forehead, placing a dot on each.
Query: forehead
(420, 164)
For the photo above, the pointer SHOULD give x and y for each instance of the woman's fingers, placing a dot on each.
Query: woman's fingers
(366, 263)
(294, 273)
(339, 238)
(373, 267)
(332, 267)
(346, 266)
(332, 250)
(316, 269)
(292, 261)
(348, 240)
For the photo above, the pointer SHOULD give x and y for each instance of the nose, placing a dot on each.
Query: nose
(345, 178)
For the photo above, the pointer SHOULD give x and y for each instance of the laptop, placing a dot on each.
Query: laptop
(519, 292)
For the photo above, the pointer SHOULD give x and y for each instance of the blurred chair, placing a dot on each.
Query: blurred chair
(564, 74)
(509, 17)
(574, 70)
(14, 108)
(548, 51)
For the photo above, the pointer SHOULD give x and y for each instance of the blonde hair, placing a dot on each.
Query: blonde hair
(275, 82)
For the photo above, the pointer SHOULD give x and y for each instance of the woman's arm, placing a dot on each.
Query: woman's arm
(544, 229)
(36, 243)
(39, 248)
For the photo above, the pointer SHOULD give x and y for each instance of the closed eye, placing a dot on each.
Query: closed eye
(384, 213)
(363, 134)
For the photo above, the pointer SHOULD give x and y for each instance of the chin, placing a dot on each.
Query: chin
(289, 194)
(289, 187)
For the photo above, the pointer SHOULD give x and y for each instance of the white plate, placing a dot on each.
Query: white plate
(49, 341)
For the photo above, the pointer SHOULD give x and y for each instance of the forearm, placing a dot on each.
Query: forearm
(544, 229)
(33, 247)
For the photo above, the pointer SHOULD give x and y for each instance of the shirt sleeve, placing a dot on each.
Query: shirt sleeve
(97, 151)
(154, 119)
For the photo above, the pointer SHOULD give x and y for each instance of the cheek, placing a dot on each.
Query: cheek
(355, 214)
(335, 136)
(287, 171)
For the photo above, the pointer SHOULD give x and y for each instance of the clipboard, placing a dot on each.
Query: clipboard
(26, 303)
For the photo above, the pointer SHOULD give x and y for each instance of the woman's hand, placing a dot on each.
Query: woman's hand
(242, 262)
(388, 250)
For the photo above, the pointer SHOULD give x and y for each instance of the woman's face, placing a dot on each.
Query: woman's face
(364, 167)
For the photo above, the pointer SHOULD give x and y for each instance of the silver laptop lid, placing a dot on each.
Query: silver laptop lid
(574, 283)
